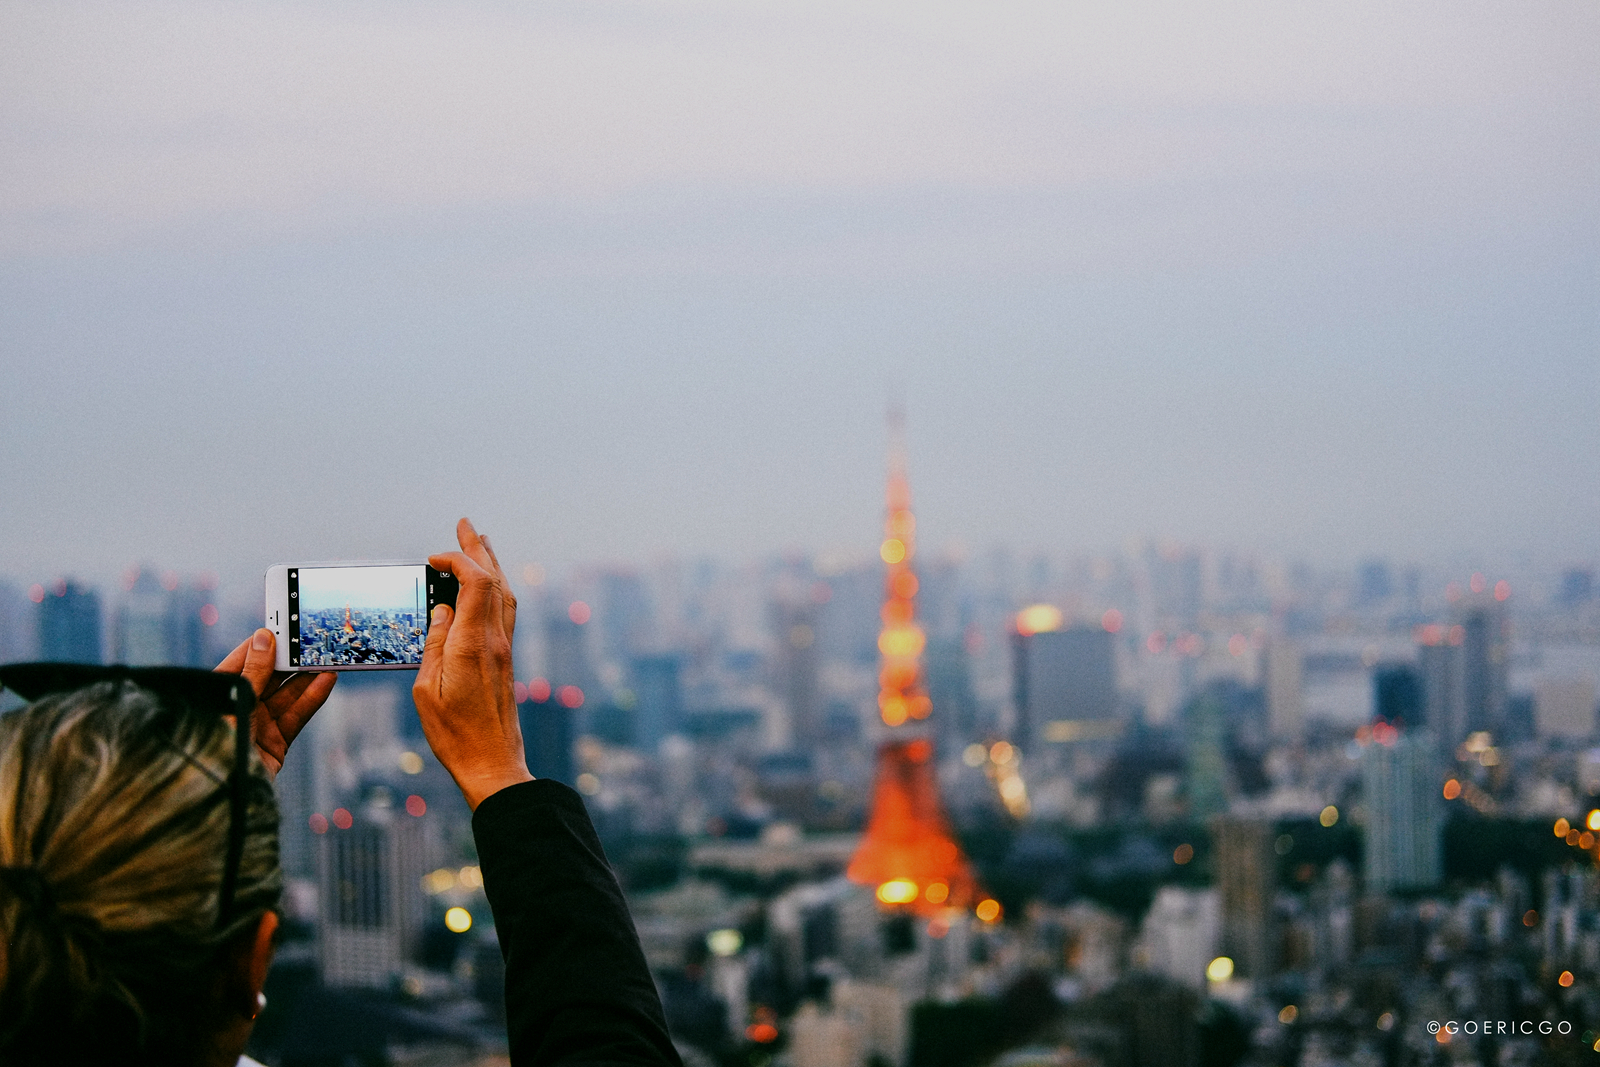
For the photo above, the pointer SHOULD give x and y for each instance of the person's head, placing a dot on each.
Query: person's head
(115, 821)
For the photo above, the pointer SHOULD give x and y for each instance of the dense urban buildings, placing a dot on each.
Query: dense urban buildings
(1225, 811)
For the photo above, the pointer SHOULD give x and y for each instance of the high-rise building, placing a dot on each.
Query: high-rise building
(1246, 876)
(1439, 663)
(566, 651)
(139, 633)
(955, 704)
(190, 616)
(1404, 819)
(658, 696)
(371, 891)
(626, 618)
(1286, 718)
(794, 671)
(1485, 662)
(547, 737)
(18, 638)
(1064, 681)
(1397, 696)
(1205, 738)
(69, 624)
(1577, 586)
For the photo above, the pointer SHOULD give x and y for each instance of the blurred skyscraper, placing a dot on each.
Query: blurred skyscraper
(1485, 661)
(18, 626)
(139, 633)
(955, 705)
(1064, 683)
(626, 618)
(566, 653)
(69, 624)
(1397, 696)
(1246, 875)
(1439, 663)
(547, 737)
(371, 898)
(1577, 586)
(1205, 735)
(658, 694)
(1403, 813)
(794, 670)
(1285, 693)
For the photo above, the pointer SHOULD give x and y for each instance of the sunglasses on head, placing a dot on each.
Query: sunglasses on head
(202, 691)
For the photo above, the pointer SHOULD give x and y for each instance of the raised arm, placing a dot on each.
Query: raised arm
(577, 987)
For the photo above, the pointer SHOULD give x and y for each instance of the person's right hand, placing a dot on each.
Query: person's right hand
(463, 689)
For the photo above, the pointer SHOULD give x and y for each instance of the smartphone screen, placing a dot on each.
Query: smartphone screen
(362, 616)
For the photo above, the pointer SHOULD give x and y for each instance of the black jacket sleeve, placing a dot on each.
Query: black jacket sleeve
(577, 987)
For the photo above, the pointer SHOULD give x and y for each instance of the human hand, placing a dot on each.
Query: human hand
(463, 690)
(285, 700)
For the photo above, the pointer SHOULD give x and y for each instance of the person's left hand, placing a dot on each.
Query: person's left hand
(285, 700)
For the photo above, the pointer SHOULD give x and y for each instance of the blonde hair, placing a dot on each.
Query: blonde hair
(114, 822)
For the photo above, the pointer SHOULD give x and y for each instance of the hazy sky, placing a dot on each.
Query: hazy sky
(308, 280)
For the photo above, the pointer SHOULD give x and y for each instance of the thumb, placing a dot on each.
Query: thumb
(433, 648)
(259, 660)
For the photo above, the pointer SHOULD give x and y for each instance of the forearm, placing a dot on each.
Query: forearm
(577, 987)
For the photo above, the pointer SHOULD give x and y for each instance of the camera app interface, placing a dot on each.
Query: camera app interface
(357, 616)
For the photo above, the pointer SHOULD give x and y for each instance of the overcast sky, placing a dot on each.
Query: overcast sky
(287, 281)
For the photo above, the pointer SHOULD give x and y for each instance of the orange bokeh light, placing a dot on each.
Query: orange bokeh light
(1452, 789)
(988, 910)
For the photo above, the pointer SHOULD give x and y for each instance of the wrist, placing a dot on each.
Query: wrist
(480, 787)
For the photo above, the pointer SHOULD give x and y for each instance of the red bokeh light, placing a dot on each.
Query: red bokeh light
(343, 819)
(36, 593)
(1112, 621)
(761, 1033)
(579, 612)
(1478, 583)
(208, 615)
(169, 581)
(539, 690)
(519, 692)
(1502, 589)
(570, 696)
(415, 805)
(319, 823)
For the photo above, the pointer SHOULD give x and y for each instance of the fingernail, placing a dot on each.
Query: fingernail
(440, 612)
(262, 640)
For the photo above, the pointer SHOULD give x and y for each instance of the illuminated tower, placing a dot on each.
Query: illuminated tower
(349, 627)
(908, 854)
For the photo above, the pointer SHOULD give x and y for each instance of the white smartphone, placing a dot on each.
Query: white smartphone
(353, 616)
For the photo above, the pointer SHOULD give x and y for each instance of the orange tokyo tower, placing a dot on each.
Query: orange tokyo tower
(908, 854)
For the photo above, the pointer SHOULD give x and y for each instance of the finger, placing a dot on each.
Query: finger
(303, 703)
(430, 675)
(233, 662)
(508, 599)
(477, 547)
(474, 598)
(259, 660)
(473, 545)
